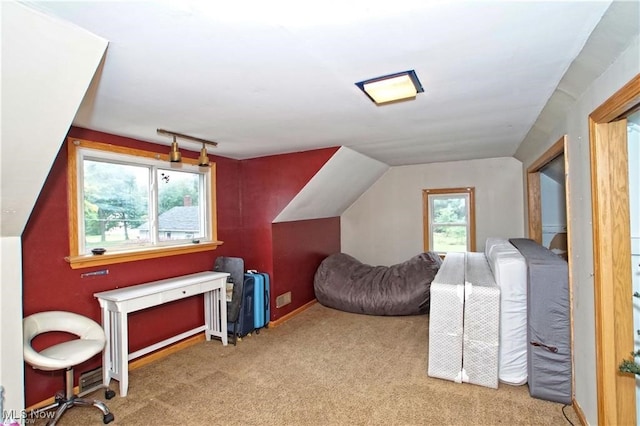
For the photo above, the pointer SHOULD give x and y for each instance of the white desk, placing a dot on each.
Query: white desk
(116, 305)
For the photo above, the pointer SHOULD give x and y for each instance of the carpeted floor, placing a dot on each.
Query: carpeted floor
(322, 367)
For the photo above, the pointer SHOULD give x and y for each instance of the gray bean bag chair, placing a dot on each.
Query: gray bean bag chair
(343, 282)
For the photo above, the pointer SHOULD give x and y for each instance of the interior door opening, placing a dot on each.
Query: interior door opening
(633, 149)
(553, 206)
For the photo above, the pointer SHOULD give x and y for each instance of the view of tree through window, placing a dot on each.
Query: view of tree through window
(119, 203)
(136, 204)
(178, 205)
(116, 202)
(449, 223)
(449, 219)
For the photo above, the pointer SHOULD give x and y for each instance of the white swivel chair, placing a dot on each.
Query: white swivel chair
(64, 356)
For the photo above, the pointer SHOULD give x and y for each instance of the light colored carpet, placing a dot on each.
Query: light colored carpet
(322, 367)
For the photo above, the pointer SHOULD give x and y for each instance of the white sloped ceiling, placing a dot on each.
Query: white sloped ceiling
(346, 176)
(47, 66)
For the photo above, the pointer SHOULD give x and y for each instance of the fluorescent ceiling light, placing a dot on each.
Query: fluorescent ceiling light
(392, 88)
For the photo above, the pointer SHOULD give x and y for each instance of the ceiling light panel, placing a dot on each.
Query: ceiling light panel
(392, 88)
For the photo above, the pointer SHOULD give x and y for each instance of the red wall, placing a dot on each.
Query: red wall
(298, 249)
(49, 283)
(250, 194)
(268, 185)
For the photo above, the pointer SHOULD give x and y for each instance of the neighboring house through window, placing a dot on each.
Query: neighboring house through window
(177, 223)
(449, 220)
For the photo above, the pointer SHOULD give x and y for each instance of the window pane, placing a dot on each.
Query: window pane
(116, 203)
(179, 212)
(449, 238)
(450, 209)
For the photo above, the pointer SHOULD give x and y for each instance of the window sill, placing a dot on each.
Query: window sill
(90, 260)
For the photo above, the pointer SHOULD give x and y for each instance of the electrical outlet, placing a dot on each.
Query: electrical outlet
(283, 299)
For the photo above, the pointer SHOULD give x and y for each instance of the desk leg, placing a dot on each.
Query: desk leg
(107, 359)
(222, 299)
(215, 314)
(209, 315)
(122, 351)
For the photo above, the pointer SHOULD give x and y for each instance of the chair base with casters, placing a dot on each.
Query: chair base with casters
(65, 400)
(65, 355)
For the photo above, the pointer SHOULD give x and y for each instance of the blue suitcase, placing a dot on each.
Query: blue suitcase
(267, 299)
(262, 310)
(244, 323)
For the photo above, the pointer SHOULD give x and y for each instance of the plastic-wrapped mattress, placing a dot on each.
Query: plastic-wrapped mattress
(481, 323)
(510, 273)
(446, 319)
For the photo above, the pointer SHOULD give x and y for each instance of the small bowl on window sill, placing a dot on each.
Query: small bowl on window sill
(98, 251)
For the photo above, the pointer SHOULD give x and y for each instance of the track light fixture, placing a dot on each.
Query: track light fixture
(174, 154)
(203, 160)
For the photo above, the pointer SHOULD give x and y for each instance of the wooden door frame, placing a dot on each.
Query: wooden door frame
(534, 202)
(534, 205)
(612, 255)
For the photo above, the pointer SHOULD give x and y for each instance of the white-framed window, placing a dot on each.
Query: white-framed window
(135, 202)
(449, 220)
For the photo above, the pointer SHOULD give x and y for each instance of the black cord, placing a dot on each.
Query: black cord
(565, 414)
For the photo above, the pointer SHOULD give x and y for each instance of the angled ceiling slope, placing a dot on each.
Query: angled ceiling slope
(44, 79)
(619, 26)
(346, 176)
(267, 78)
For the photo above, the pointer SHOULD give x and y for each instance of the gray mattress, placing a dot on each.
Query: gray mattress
(548, 322)
(343, 282)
